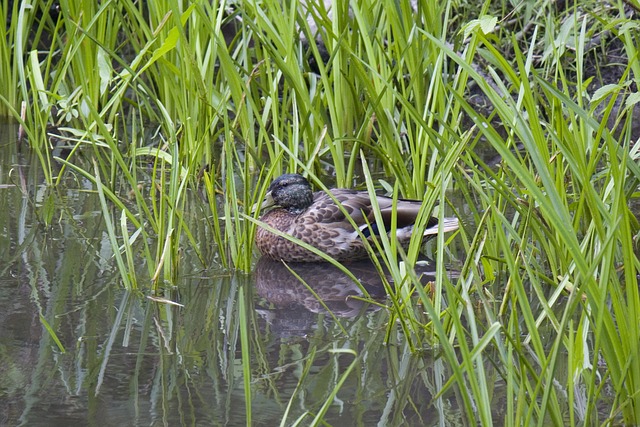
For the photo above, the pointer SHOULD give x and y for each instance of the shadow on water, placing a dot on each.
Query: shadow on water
(299, 291)
(175, 358)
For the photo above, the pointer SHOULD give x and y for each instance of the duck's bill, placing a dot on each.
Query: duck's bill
(267, 202)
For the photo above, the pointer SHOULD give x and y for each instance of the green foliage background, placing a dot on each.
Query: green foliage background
(155, 101)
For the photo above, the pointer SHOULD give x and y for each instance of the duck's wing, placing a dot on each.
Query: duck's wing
(326, 214)
(359, 207)
(325, 211)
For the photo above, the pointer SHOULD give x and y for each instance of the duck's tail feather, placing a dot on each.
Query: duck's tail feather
(448, 224)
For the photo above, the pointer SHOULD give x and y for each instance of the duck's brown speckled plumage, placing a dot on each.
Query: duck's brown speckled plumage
(315, 219)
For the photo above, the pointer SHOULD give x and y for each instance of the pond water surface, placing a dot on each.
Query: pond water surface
(129, 358)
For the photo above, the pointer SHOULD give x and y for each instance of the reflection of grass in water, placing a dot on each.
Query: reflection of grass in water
(391, 97)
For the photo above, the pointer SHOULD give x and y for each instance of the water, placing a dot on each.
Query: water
(136, 359)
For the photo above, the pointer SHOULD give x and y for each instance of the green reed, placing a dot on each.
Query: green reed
(158, 104)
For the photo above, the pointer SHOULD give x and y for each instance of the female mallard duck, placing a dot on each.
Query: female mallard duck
(315, 219)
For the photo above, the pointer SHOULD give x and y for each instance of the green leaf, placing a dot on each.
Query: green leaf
(605, 91)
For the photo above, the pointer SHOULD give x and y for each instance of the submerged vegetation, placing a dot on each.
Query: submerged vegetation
(514, 117)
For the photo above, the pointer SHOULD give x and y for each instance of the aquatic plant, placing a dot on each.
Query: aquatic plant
(154, 102)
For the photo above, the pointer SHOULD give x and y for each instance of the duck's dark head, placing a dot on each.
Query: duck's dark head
(291, 192)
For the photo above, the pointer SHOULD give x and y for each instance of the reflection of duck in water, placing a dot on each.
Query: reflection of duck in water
(315, 219)
(280, 286)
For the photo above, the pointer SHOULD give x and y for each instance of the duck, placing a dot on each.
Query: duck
(291, 207)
